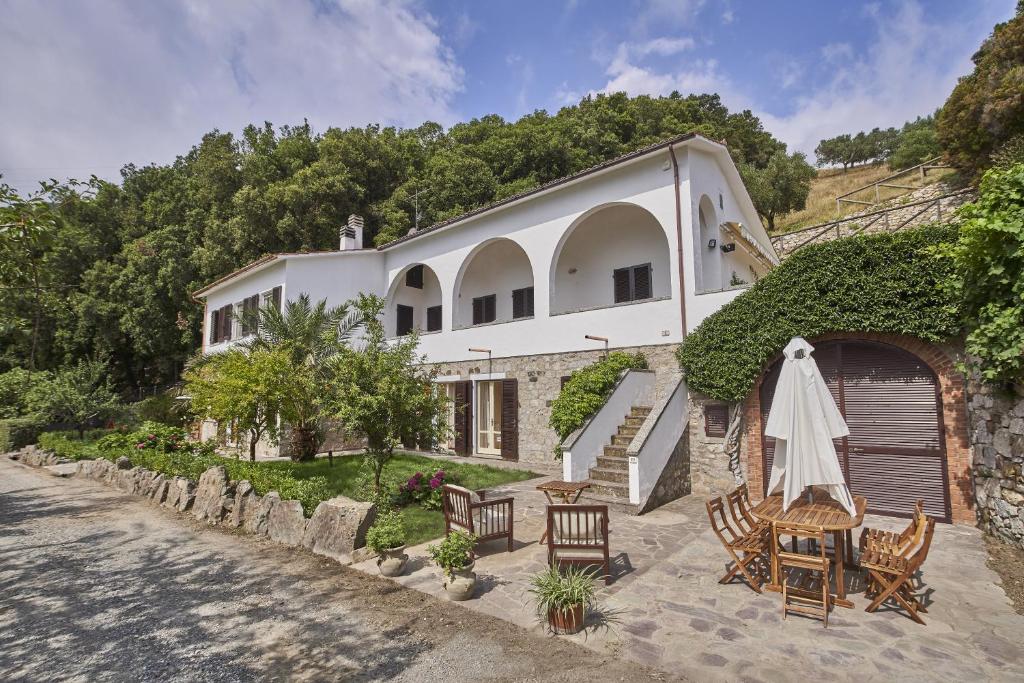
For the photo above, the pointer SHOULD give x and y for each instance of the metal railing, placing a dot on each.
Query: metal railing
(921, 168)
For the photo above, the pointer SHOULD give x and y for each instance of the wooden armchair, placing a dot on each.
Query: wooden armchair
(578, 534)
(745, 549)
(466, 510)
(891, 574)
(890, 542)
(812, 596)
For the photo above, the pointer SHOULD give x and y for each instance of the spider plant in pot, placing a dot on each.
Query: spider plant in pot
(387, 538)
(454, 555)
(563, 597)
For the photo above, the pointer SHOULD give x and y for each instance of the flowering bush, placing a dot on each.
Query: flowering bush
(424, 490)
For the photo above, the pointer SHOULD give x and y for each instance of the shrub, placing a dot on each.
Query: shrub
(15, 385)
(159, 436)
(587, 390)
(453, 553)
(427, 491)
(19, 432)
(884, 283)
(386, 533)
(163, 408)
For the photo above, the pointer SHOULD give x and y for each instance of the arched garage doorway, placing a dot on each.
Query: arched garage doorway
(895, 453)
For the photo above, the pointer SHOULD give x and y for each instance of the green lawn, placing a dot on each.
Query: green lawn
(421, 525)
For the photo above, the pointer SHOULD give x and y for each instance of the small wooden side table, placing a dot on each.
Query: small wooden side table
(564, 490)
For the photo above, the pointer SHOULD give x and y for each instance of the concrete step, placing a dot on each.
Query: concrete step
(634, 421)
(610, 489)
(612, 462)
(614, 504)
(619, 440)
(609, 476)
(615, 451)
(640, 411)
(625, 430)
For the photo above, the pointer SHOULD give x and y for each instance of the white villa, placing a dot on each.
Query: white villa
(507, 298)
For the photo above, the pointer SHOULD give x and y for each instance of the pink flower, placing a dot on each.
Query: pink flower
(435, 482)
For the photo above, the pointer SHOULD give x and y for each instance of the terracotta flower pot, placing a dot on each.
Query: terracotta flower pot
(568, 620)
(392, 562)
(461, 585)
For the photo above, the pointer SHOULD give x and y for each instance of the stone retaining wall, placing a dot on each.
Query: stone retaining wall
(996, 417)
(337, 528)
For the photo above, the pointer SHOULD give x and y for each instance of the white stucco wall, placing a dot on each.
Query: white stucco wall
(497, 267)
(419, 299)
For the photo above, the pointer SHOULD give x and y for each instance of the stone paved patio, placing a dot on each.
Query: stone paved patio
(666, 608)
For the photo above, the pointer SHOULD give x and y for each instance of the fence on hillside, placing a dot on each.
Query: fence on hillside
(885, 220)
(921, 169)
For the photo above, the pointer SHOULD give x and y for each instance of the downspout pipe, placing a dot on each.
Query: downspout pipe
(679, 238)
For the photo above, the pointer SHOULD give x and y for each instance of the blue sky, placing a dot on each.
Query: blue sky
(89, 86)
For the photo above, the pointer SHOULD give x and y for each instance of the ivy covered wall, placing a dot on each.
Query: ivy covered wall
(888, 283)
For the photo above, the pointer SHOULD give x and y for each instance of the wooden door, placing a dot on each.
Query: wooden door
(895, 453)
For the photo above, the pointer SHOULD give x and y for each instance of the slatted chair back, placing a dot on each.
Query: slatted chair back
(916, 559)
(457, 504)
(578, 534)
(739, 506)
(815, 603)
(726, 533)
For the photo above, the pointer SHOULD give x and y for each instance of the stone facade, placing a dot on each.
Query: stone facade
(540, 381)
(916, 208)
(675, 480)
(997, 433)
(709, 462)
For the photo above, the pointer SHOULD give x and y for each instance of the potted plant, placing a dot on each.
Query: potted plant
(563, 597)
(387, 538)
(454, 555)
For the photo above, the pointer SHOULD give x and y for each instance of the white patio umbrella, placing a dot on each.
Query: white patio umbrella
(804, 419)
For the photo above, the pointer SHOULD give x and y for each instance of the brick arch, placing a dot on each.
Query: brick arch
(954, 418)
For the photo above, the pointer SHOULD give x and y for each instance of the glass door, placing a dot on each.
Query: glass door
(488, 417)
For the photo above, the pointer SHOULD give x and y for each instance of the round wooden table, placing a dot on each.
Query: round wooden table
(824, 512)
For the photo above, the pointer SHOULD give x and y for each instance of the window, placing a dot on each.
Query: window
(250, 314)
(220, 324)
(272, 297)
(434, 319)
(404, 320)
(522, 303)
(716, 420)
(484, 309)
(633, 283)
(414, 277)
(215, 326)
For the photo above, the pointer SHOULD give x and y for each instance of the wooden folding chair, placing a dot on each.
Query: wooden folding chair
(739, 506)
(578, 535)
(808, 599)
(891, 574)
(892, 543)
(745, 549)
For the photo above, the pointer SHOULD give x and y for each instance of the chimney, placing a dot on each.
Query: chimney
(352, 234)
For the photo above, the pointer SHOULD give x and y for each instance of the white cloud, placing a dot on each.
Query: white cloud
(663, 47)
(664, 14)
(90, 86)
(907, 70)
(728, 17)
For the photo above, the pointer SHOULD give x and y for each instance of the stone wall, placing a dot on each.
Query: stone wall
(540, 381)
(997, 432)
(709, 461)
(675, 480)
(912, 208)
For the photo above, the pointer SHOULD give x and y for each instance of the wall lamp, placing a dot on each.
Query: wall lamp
(712, 243)
(594, 337)
(731, 246)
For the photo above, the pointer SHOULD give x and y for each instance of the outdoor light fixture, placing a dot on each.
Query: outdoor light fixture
(731, 246)
(594, 337)
(712, 243)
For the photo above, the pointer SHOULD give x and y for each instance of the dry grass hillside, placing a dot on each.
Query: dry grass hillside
(830, 183)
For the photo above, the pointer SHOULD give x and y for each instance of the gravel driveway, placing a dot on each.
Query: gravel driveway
(98, 586)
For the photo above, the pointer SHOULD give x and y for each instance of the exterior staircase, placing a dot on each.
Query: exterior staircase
(609, 481)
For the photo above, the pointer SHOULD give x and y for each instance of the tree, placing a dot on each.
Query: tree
(310, 337)
(781, 187)
(250, 390)
(79, 395)
(986, 109)
(383, 392)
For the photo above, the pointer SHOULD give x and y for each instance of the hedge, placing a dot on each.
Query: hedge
(888, 283)
(587, 390)
(18, 432)
(189, 460)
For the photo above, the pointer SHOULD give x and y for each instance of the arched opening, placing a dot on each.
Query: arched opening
(414, 302)
(495, 285)
(891, 400)
(708, 251)
(618, 254)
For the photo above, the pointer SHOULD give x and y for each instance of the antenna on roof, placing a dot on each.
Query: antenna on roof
(416, 210)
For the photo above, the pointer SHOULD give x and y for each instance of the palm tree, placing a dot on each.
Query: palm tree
(311, 335)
